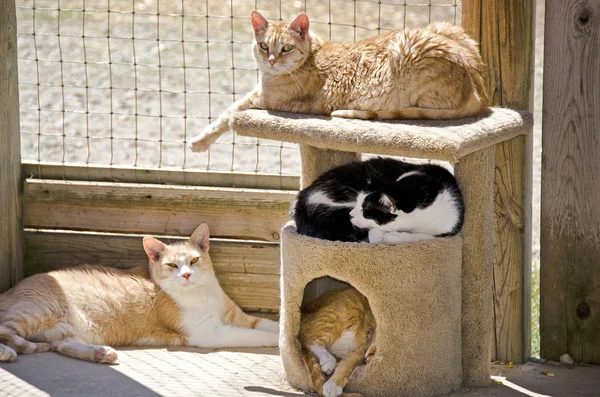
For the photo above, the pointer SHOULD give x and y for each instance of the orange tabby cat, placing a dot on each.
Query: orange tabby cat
(434, 72)
(337, 325)
(178, 302)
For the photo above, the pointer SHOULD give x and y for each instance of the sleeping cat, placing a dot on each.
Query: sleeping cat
(336, 326)
(178, 302)
(434, 72)
(382, 199)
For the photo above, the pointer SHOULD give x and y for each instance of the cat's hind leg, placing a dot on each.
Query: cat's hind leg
(7, 354)
(75, 348)
(335, 385)
(18, 344)
(326, 359)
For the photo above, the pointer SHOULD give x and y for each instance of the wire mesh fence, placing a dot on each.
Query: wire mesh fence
(129, 82)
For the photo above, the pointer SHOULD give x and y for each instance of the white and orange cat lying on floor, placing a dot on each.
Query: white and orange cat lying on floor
(179, 302)
(433, 72)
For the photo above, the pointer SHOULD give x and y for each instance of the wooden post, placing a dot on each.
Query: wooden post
(570, 214)
(505, 30)
(11, 209)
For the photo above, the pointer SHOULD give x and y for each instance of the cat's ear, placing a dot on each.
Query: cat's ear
(153, 248)
(387, 202)
(300, 25)
(259, 23)
(200, 237)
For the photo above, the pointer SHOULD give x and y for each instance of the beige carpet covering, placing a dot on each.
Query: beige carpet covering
(432, 300)
(415, 293)
(442, 140)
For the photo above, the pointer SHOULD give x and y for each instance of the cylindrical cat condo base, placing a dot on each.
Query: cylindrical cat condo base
(414, 291)
(432, 300)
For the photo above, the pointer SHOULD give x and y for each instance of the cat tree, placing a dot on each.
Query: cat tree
(432, 300)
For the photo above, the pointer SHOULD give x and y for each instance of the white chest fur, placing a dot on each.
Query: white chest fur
(344, 345)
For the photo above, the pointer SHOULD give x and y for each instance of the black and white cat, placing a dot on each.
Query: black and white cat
(382, 199)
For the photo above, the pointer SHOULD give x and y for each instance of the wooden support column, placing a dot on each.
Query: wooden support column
(11, 208)
(570, 214)
(505, 31)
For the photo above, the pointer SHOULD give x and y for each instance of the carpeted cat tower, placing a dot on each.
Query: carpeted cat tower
(432, 300)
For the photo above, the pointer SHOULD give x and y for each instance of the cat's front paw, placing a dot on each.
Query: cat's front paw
(209, 135)
(200, 143)
(268, 325)
(376, 236)
(105, 355)
(331, 389)
(328, 364)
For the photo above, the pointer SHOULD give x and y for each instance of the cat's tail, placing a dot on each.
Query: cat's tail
(18, 344)
(317, 378)
(407, 113)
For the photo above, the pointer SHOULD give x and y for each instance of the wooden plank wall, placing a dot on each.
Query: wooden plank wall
(570, 214)
(248, 271)
(505, 31)
(11, 211)
(76, 222)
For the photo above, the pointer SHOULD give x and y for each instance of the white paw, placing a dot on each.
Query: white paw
(105, 355)
(268, 325)
(376, 236)
(7, 354)
(328, 364)
(331, 389)
(200, 143)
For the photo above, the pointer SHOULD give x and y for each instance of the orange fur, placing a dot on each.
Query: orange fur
(324, 322)
(435, 72)
(73, 311)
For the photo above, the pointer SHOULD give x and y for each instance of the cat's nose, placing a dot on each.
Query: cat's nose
(186, 275)
(272, 60)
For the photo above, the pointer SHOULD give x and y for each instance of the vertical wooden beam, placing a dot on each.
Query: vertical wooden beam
(570, 214)
(11, 209)
(505, 30)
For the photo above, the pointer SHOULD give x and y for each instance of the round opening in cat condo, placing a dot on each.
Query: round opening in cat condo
(336, 332)
(413, 292)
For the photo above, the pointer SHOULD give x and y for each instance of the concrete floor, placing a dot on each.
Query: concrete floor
(245, 372)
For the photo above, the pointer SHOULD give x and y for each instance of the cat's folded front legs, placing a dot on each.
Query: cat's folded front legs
(378, 236)
(217, 128)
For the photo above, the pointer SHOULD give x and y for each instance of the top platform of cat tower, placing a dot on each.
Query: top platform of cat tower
(433, 139)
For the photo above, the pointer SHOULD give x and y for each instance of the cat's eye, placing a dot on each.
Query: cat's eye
(172, 264)
(194, 260)
(287, 48)
(264, 46)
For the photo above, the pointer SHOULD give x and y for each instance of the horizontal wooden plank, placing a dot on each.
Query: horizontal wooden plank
(247, 270)
(99, 173)
(155, 209)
